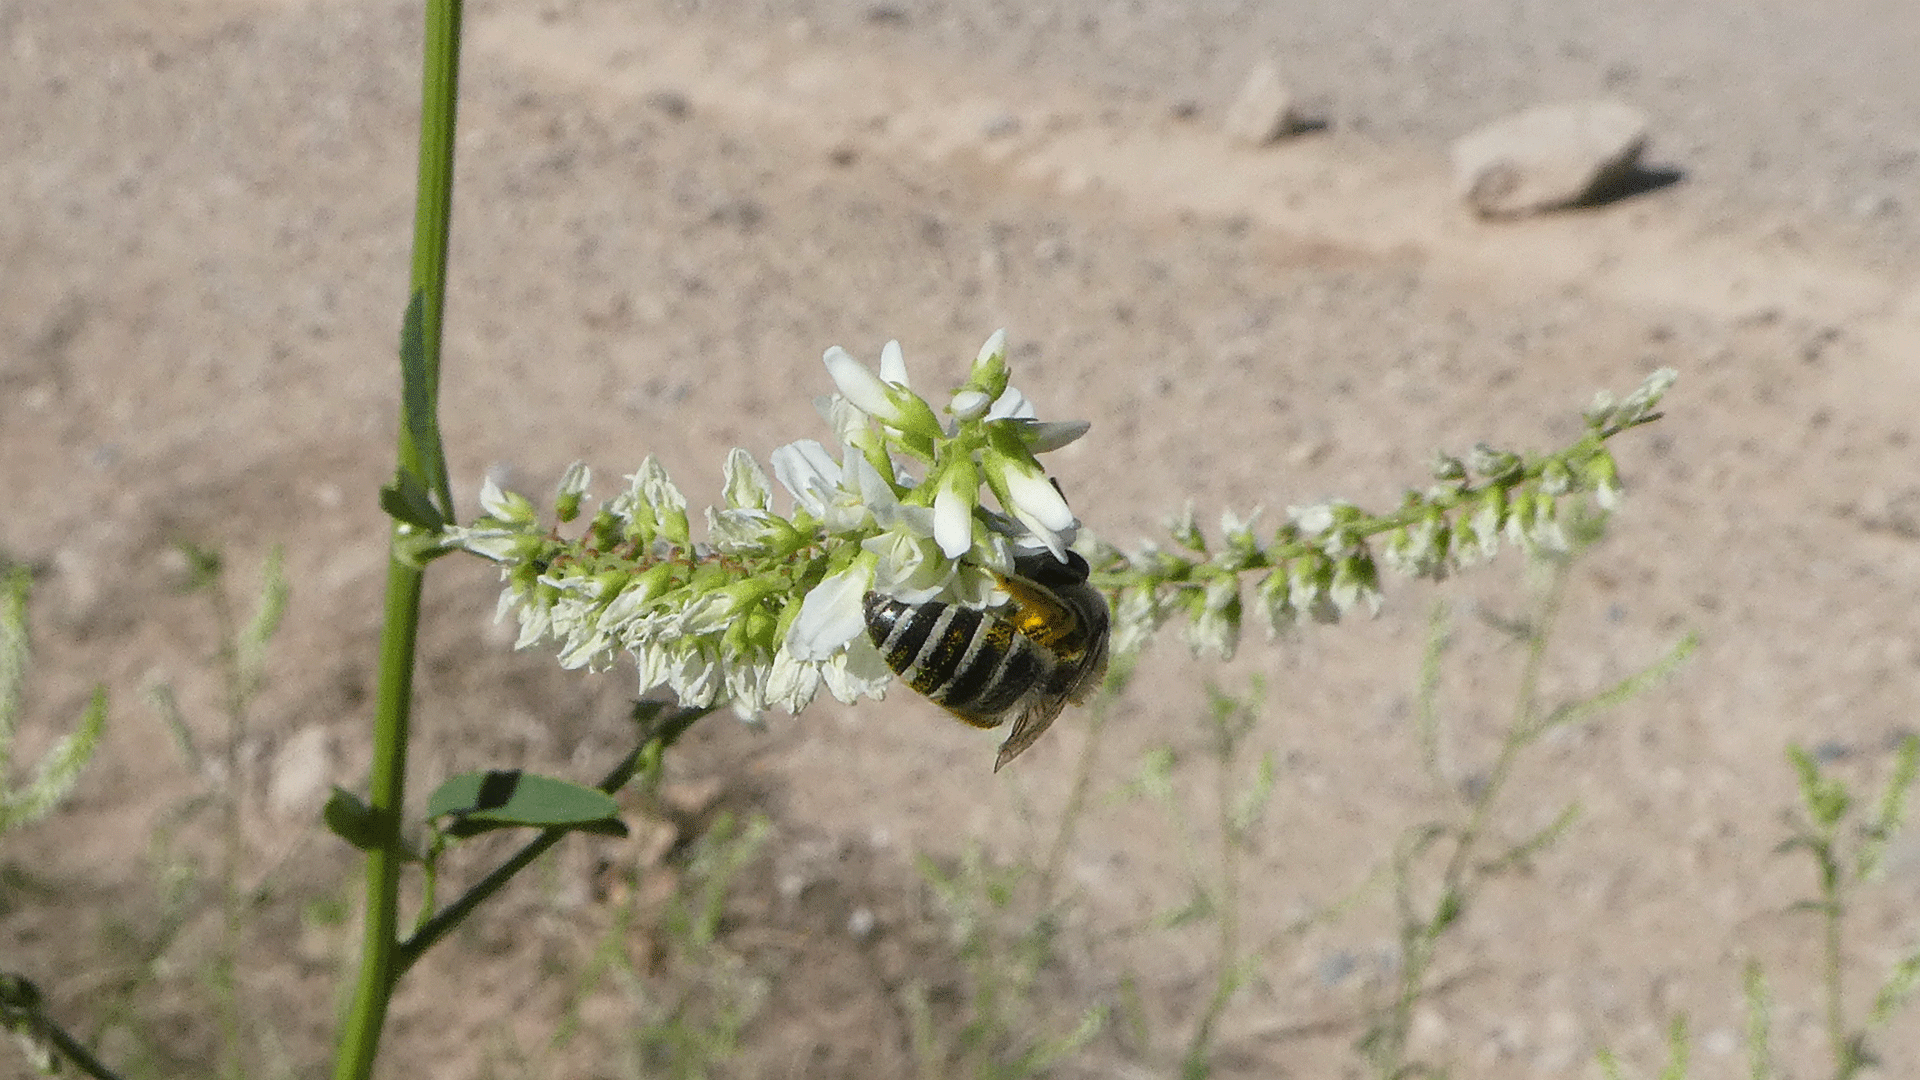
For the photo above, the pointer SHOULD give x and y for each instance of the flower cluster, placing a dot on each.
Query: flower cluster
(1322, 563)
(768, 609)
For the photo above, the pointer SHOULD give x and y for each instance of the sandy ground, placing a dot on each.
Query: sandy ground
(666, 212)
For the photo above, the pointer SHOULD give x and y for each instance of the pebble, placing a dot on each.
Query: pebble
(1264, 111)
(302, 771)
(1548, 157)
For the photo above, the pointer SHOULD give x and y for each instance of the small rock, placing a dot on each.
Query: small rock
(860, 923)
(301, 772)
(1548, 157)
(1264, 111)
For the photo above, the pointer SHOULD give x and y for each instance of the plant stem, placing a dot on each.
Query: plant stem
(1226, 982)
(433, 207)
(386, 796)
(1844, 1064)
(432, 930)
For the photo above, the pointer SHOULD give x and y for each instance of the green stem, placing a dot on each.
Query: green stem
(432, 930)
(1226, 981)
(1844, 1065)
(360, 1039)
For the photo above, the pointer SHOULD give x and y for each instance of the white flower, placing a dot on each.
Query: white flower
(893, 366)
(953, 508)
(832, 614)
(746, 483)
(739, 530)
(886, 397)
(1216, 629)
(500, 545)
(1136, 617)
(1011, 405)
(993, 350)
(969, 405)
(862, 388)
(1312, 520)
(857, 671)
(792, 682)
(694, 675)
(576, 478)
(1042, 436)
(653, 484)
(1038, 505)
(808, 473)
(909, 567)
(505, 506)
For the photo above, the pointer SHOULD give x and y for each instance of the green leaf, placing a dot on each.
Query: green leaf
(1679, 1050)
(1759, 1023)
(406, 499)
(57, 772)
(351, 819)
(1892, 811)
(508, 798)
(1903, 982)
(422, 459)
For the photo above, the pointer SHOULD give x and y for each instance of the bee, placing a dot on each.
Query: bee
(1022, 661)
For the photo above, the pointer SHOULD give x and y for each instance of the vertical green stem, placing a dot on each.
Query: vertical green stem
(360, 1038)
(1844, 1063)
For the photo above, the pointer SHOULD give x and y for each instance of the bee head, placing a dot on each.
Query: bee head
(1043, 569)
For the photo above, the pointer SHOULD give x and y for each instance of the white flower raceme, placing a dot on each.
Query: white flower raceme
(769, 608)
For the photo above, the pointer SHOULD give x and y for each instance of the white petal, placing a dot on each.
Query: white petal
(808, 473)
(866, 485)
(996, 345)
(575, 480)
(858, 672)
(1012, 405)
(953, 520)
(860, 386)
(652, 663)
(657, 488)
(1042, 436)
(494, 501)
(1036, 498)
(791, 682)
(746, 483)
(1312, 520)
(832, 614)
(893, 365)
(969, 405)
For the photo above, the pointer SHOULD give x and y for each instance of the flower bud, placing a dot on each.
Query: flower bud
(506, 507)
(573, 485)
(989, 374)
(746, 486)
(1185, 531)
(1496, 465)
(969, 405)
(953, 508)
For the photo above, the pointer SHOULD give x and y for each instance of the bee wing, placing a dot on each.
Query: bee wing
(1034, 719)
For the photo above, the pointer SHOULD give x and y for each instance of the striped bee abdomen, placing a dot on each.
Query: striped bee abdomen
(1044, 646)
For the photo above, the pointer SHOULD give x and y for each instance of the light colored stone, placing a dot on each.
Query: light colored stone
(302, 772)
(1264, 111)
(1548, 157)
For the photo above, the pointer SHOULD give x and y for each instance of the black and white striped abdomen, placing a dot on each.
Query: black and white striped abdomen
(972, 663)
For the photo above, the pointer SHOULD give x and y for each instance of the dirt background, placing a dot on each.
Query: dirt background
(666, 212)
